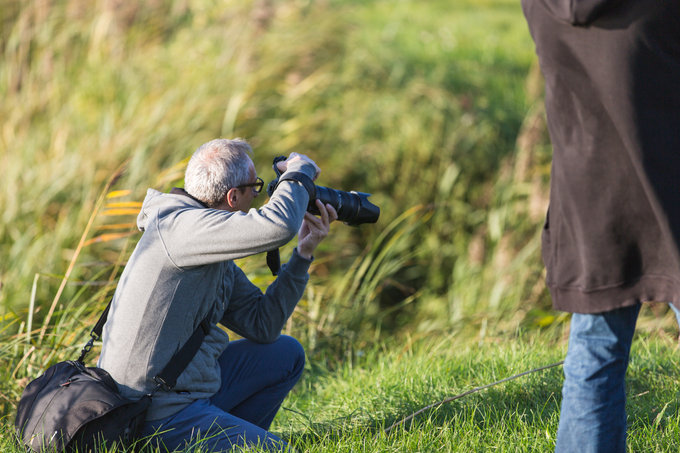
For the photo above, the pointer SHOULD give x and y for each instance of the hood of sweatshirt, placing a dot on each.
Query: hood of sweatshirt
(155, 201)
(578, 12)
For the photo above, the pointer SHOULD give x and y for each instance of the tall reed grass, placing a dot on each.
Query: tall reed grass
(433, 107)
(421, 105)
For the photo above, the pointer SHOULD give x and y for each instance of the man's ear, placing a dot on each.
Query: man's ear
(232, 197)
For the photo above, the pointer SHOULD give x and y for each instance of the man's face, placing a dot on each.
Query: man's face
(248, 193)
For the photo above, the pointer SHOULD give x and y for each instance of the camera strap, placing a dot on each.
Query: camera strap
(302, 178)
(274, 261)
(273, 256)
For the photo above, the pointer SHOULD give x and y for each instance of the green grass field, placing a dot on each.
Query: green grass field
(346, 406)
(435, 108)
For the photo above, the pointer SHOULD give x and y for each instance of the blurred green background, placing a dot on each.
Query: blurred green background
(434, 107)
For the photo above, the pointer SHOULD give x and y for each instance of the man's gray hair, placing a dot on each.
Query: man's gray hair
(216, 167)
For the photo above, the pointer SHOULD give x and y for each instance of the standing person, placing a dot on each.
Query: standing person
(182, 269)
(612, 234)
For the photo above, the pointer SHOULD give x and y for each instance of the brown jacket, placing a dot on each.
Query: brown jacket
(612, 75)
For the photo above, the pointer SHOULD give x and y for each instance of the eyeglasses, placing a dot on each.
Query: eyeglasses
(257, 185)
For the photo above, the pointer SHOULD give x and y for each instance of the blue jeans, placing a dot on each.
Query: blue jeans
(593, 413)
(676, 312)
(255, 380)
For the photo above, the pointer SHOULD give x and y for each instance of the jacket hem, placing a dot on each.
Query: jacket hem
(647, 289)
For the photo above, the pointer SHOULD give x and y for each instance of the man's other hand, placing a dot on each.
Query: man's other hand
(315, 229)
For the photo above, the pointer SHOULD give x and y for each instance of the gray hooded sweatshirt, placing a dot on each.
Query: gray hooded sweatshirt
(180, 270)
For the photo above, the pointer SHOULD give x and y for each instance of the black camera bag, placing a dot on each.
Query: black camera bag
(71, 407)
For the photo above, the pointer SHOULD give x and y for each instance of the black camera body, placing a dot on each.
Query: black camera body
(353, 208)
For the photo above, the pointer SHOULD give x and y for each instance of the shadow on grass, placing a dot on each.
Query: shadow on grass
(534, 404)
(653, 394)
(528, 405)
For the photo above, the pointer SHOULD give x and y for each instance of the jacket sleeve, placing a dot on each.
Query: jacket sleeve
(195, 237)
(260, 317)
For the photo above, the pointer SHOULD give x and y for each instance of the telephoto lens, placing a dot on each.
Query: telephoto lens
(353, 208)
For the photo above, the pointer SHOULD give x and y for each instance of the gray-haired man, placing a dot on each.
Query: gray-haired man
(182, 269)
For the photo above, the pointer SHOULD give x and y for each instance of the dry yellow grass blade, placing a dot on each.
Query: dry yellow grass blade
(116, 226)
(118, 193)
(116, 175)
(121, 211)
(125, 204)
(107, 237)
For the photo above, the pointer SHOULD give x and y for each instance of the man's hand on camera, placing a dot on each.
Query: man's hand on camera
(315, 229)
(283, 165)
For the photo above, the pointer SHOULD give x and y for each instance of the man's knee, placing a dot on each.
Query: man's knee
(292, 349)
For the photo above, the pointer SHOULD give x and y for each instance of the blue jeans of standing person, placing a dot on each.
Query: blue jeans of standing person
(593, 413)
(255, 380)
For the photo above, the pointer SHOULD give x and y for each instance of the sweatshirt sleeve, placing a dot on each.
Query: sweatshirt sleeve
(260, 317)
(195, 237)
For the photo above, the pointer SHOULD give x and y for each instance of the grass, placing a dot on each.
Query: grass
(348, 405)
(435, 108)
(346, 409)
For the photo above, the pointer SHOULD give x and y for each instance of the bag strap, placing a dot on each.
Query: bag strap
(95, 333)
(166, 379)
